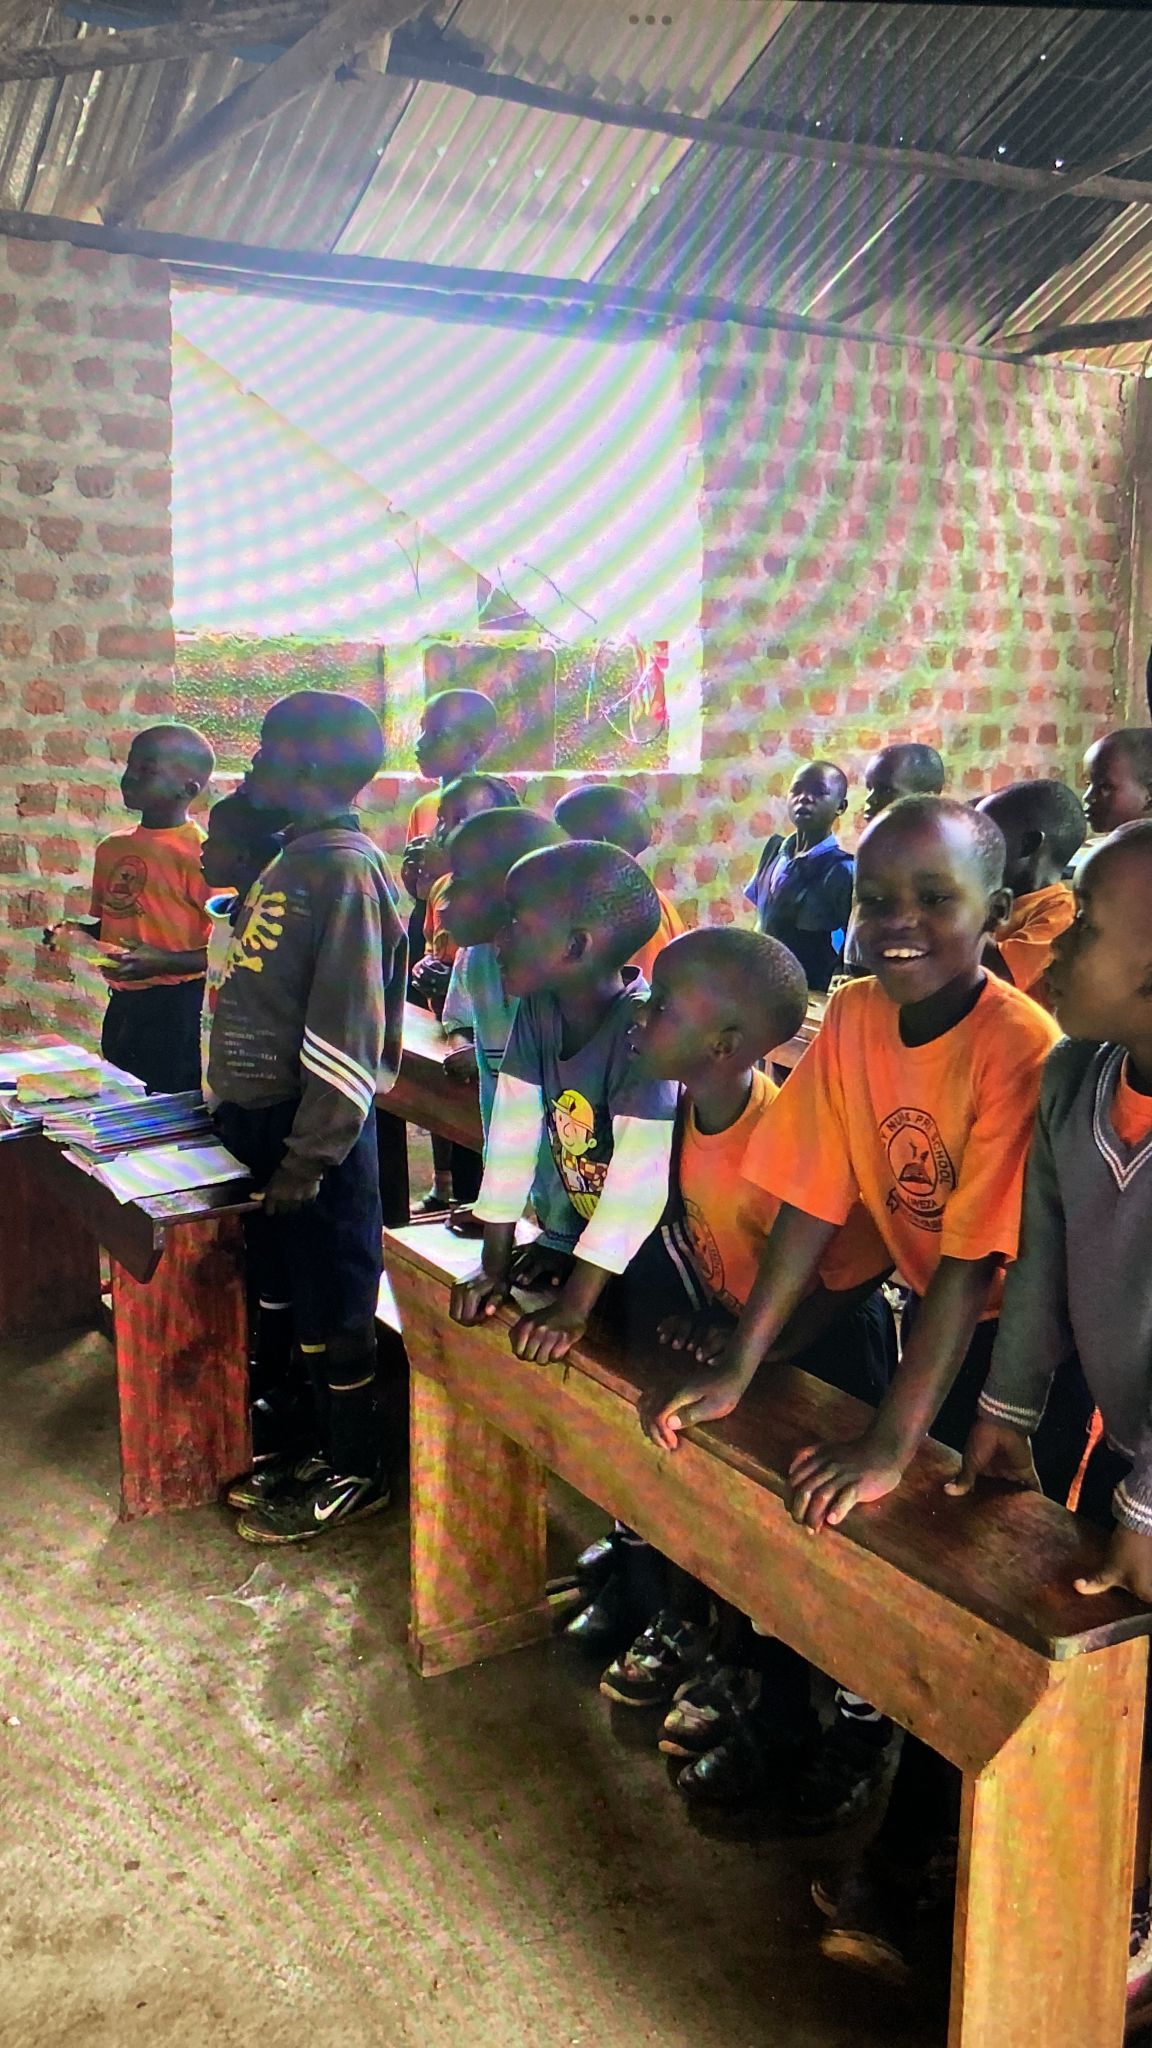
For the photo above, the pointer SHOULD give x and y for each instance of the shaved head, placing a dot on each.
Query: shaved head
(913, 815)
(183, 746)
(591, 886)
(606, 810)
(746, 979)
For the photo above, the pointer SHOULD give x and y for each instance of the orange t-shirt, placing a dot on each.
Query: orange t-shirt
(438, 942)
(932, 1139)
(147, 890)
(423, 815)
(729, 1217)
(1131, 1112)
(670, 927)
(1026, 941)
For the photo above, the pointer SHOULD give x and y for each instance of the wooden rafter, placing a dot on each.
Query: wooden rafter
(1051, 341)
(338, 38)
(109, 49)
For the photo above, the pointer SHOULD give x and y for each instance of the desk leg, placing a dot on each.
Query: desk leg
(1045, 1883)
(478, 1537)
(49, 1263)
(182, 1370)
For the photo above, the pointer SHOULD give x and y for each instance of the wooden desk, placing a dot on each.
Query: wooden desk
(787, 1055)
(180, 1323)
(957, 1618)
(424, 1094)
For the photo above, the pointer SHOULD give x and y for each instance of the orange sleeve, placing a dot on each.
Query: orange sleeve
(799, 1150)
(982, 1214)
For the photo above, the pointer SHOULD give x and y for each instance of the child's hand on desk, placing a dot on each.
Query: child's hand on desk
(996, 1451)
(291, 1187)
(473, 1301)
(540, 1265)
(461, 1064)
(706, 1398)
(1127, 1567)
(700, 1336)
(548, 1333)
(829, 1480)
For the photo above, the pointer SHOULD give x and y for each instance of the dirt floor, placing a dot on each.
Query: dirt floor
(231, 1814)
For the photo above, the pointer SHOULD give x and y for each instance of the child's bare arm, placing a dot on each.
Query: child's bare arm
(145, 963)
(791, 1256)
(830, 1479)
(474, 1300)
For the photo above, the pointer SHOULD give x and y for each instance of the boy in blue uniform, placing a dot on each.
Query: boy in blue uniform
(802, 888)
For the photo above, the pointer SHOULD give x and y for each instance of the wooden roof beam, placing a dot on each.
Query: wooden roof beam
(110, 49)
(338, 38)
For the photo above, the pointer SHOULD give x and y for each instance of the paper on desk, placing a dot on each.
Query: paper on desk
(40, 1059)
(167, 1170)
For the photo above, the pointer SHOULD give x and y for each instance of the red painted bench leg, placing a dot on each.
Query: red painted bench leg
(49, 1264)
(182, 1370)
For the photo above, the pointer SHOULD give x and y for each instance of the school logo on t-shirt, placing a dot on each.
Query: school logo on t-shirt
(575, 1142)
(125, 886)
(923, 1175)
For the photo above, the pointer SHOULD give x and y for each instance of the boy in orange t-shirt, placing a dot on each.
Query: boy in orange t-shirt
(916, 1099)
(608, 810)
(1043, 826)
(149, 902)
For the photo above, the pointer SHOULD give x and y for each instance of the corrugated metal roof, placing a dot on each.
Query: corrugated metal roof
(382, 166)
(482, 182)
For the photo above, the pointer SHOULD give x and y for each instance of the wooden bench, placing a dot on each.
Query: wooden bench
(180, 1326)
(956, 1618)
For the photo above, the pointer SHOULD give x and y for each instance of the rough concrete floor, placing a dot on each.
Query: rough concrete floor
(232, 1815)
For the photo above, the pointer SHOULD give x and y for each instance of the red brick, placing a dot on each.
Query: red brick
(15, 642)
(29, 259)
(31, 368)
(59, 855)
(28, 910)
(67, 644)
(56, 316)
(36, 479)
(76, 902)
(36, 799)
(103, 698)
(64, 749)
(150, 276)
(59, 536)
(51, 966)
(58, 422)
(152, 483)
(34, 586)
(13, 860)
(136, 643)
(92, 587)
(154, 587)
(132, 323)
(89, 800)
(89, 262)
(154, 700)
(94, 373)
(95, 480)
(153, 380)
(43, 699)
(11, 419)
(13, 534)
(125, 430)
(14, 746)
(134, 540)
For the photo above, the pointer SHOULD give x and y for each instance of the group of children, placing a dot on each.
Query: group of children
(627, 1100)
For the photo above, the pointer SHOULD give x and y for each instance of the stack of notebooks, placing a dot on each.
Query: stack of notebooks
(135, 1144)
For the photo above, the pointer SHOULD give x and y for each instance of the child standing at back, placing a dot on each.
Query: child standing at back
(802, 888)
(1043, 827)
(456, 730)
(307, 1030)
(148, 901)
(609, 811)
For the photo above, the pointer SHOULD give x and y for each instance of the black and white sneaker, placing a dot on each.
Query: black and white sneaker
(271, 1478)
(329, 1501)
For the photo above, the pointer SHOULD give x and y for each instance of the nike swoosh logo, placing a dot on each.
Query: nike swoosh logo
(324, 1514)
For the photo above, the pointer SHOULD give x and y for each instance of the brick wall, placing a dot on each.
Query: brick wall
(898, 543)
(85, 587)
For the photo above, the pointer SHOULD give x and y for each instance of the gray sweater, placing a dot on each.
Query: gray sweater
(1083, 1279)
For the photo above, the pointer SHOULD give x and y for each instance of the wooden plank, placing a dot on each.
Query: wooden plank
(423, 1094)
(477, 1536)
(182, 1370)
(1046, 1857)
(1007, 1560)
(49, 1277)
(241, 28)
(337, 38)
(133, 1232)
